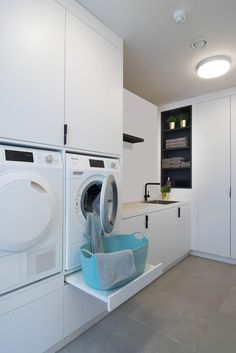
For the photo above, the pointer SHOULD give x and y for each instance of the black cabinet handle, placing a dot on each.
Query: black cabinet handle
(65, 134)
(146, 221)
(178, 212)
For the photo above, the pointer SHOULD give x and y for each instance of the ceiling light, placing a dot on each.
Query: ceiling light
(199, 43)
(179, 17)
(214, 66)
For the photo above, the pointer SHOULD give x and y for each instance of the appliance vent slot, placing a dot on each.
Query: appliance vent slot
(42, 260)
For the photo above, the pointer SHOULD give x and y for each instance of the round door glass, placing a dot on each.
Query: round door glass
(26, 210)
(90, 198)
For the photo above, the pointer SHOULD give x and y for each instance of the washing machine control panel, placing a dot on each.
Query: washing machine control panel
(112, 164)
(76, 164)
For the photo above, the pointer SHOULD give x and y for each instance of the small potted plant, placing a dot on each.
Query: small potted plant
(165, 192)
(172, 121)
(183, 119)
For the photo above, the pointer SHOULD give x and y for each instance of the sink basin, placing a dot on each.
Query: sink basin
(160, 202)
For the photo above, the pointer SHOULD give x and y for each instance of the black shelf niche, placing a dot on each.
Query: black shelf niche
(181, 178)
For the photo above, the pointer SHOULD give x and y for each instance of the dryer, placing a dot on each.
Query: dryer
(87, 177)
(31, 186)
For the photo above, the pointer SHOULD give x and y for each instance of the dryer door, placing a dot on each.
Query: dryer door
(27, 206)
(108, 203)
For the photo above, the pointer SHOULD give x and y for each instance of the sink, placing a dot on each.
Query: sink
(160, 202)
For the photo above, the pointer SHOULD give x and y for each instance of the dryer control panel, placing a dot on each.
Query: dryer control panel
(31, 158)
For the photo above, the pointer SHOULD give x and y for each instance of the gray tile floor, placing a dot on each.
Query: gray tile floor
(192, 308)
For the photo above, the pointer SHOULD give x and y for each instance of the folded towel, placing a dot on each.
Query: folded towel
(115, 267)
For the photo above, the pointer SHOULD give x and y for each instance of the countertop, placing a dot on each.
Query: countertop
(131, 209)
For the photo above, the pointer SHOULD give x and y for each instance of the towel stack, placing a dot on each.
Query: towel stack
(175, 162)
(179, 142)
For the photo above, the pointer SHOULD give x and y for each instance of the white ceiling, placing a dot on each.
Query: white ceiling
(159, 63)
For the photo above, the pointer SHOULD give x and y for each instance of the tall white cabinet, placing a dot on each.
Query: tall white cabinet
(214, 177)
(233, 176)
(32, 70)
(94, 93)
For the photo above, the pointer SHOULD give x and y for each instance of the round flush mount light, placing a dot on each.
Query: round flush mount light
(199, 43)
(214, 66)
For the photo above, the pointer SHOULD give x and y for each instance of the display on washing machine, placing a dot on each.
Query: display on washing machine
(96, 163)
(19, 156)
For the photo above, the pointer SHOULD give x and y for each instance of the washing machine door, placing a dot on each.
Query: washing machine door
(108, 203)
(27, 206)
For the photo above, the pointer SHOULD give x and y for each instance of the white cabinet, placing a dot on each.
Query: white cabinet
(168, 232)
(31, 320)
(233, 176)
(79, 309)
(169, 235)
(183, 241)
(32, 70)
(94, 89)
(214, 177)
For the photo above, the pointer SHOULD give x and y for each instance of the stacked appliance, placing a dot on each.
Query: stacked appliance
(88, 177)
(31, 187)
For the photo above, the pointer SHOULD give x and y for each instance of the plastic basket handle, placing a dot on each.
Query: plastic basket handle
(85, 251)
(143, 236)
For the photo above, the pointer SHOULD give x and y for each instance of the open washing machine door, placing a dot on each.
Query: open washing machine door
(27, 206)
(108, 204)
(102, 190)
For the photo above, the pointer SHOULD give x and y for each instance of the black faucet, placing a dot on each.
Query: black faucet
(147, 195)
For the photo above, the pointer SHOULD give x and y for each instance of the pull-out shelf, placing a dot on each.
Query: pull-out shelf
(114, 298)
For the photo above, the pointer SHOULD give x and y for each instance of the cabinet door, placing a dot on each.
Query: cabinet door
(233, 176)
(214, 177)
(32, 70)
(79, 309)
(163, 233)
(183, 240)
(94, 89)
(33, 327)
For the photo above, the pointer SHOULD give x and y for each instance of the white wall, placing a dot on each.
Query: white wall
(141, 160)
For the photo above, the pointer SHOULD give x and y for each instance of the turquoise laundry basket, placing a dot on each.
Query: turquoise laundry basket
(137, 242)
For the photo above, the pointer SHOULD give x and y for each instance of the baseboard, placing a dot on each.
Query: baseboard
(226, 260)
(76, 333)
(169, 267)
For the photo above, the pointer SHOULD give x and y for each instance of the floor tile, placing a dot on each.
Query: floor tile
(145, 338)
(228, 307)
(219, 337)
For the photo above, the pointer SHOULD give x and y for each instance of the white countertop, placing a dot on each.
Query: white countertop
(136, 208)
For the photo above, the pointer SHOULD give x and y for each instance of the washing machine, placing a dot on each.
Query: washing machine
(87, 178)
(31, 191)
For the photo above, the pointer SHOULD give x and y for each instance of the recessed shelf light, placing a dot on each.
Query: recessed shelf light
(214, 66)
(199, 43)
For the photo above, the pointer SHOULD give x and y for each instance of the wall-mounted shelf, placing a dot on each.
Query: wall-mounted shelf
(176, 168)
(132, 139)
(176, 149)
(178, 129)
